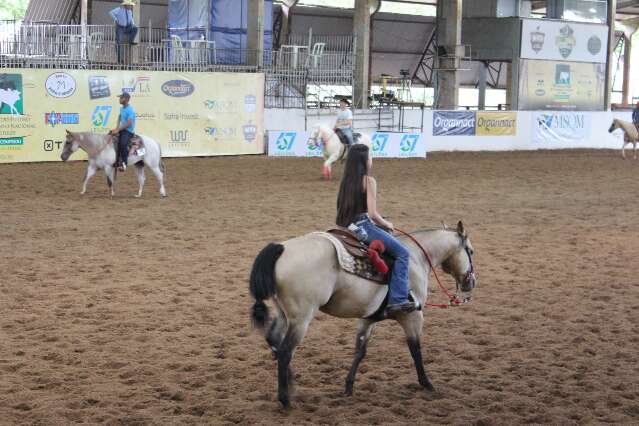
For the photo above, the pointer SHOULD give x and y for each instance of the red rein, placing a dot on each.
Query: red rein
(452, 300)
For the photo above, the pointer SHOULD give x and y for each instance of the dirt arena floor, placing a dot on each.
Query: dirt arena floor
(135, 311)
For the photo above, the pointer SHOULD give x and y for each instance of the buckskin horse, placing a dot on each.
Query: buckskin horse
(101, 152)
(630, 135)
(304, 275)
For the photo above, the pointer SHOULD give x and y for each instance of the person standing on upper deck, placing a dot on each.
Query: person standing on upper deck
(125, 29)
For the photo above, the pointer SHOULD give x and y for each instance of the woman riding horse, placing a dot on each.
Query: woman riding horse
(357, 210)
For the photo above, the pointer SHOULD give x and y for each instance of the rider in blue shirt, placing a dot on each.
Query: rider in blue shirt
(125, 29)
(125, 129)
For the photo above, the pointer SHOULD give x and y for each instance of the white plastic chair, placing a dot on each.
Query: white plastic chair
(178, 53)
(316, 54)
(95, 45)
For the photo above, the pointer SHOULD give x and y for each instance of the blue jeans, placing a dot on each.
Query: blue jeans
(123, 146)
(398, 292)
(124, 35)
(348, 132)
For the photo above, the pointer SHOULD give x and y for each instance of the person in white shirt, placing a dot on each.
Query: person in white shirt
(345, 120)
(125, 29)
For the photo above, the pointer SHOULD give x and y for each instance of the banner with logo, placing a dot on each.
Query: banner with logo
(561, 86)
(565, 128)
(189, 114)
(496, 123)
(384, 145)
(564, 41)
(454, 123)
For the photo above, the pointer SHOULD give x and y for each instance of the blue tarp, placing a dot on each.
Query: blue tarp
(188, 19)
(229, 28)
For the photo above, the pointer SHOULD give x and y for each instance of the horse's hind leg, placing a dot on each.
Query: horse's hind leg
(109, 171)
(294, 335)
(160, 177)
(364, 330)
(412, 324)
(274, 339)
(139, 170)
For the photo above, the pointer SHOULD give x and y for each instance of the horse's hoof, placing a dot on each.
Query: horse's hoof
(348, 392)
(138, 195)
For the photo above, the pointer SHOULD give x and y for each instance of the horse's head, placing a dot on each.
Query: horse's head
(460, 263)
(315, 138)
(71, 145)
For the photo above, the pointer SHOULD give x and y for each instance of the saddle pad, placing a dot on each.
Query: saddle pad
(362, 267)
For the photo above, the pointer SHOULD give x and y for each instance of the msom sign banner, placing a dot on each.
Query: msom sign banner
(189, 114)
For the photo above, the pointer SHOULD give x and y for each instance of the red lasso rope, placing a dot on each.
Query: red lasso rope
(452, 300)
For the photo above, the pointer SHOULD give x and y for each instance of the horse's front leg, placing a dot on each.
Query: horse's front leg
(91, 169)
(364, 330)
(327, 170)
(634, 150)
(412, 324)
(623, 149)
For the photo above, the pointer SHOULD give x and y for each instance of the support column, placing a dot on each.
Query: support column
(255, 33)
(509, 86)
(285, 30)
(362, 34)
(627, 56)
(449, 22)
(612, 7)
(483, 71)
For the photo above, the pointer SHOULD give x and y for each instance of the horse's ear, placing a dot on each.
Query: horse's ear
(68, 132)
(460, 229)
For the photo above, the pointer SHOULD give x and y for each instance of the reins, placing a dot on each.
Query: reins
(453, 300)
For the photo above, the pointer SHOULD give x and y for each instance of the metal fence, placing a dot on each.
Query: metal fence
(326, 62)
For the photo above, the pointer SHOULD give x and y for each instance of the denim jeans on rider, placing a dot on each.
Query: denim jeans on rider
(124, 35)
(348, 132)
(398, 292)
(123, 146)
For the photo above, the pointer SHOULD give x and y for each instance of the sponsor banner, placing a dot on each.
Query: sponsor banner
(189, 114)
(565, 128)
(384, 145)
(564, 41)
(454, 123)
(496, 123)
(561, 86)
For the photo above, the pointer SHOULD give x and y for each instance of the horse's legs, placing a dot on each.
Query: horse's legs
(294, 335)
(623, 149)
(139, 170)
(412, 324)
(109, 171)
(91, 169)
(326, 171)
(634, 150)
(160, 177)
(364, 330)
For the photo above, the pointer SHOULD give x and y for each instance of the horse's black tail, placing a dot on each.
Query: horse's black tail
(262, 282)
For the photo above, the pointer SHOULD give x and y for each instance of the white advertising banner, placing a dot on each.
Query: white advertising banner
(561, 129)
(563, 41)
(283, 143)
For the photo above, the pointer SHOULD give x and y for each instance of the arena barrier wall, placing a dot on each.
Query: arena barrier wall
(189, 114)
(384, 145)
(486, 131)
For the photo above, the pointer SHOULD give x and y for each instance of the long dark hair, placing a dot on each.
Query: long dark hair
(351, 200)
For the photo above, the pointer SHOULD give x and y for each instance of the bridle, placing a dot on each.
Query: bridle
(453, 300)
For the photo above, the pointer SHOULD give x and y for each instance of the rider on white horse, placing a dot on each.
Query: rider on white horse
(344, 121)
(125, 129)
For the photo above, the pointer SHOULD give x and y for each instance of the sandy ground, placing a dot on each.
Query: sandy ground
(135, 311)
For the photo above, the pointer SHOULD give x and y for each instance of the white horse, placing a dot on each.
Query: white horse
(630, 135)
(303, 276)
(102, 155)
(332, 148)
